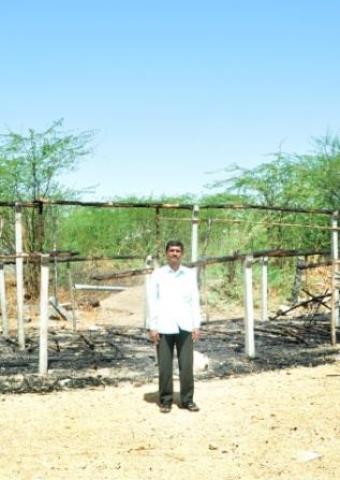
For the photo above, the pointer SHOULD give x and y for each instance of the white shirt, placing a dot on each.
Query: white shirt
(173, 300)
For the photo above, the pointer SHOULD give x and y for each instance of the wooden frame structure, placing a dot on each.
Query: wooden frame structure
(248, 261)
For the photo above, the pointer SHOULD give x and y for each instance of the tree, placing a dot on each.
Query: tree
(29, 169)
(290, 180)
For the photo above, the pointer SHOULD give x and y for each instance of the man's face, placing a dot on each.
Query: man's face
(174, 256)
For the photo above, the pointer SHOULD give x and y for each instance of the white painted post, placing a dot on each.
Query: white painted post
(335, 260)
(19, 263)
(147, 264)
(249, 307)
(73, 298)
(43, 341)
(55, 274)
(264, 289)
(194, 233)
(3, 301)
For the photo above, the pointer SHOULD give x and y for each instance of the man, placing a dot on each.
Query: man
(174, 320)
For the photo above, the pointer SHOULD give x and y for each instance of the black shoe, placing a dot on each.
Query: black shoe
(191, 406)
(165, 407)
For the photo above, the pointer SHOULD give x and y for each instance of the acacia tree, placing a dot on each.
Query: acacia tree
(290, 180)
(30, 166)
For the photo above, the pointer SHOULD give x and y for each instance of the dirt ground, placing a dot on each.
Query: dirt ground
(274, 425)
(279, 424)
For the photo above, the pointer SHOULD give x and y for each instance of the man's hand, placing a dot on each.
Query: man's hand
(195, 334)
(154, 336)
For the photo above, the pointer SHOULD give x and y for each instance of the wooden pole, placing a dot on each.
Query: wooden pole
(194, 233)
(19, 261)
(264, 289)
(158, 233)
(335, 258)
(56, 277)
(3, 301)
(43, 340)
(249, 307)
(335, 265)
(205, 293)
(73, 299)
(147, 264)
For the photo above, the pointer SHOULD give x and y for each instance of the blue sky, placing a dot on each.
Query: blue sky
(173, 89)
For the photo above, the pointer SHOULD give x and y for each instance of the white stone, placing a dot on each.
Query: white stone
(307, 456)
(201, 361)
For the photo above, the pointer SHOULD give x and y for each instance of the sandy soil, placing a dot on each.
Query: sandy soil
(264, 426)
(282, 424)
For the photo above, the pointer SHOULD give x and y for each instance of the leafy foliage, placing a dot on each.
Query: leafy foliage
(30, 166)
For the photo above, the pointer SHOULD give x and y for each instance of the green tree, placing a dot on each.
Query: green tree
(30, 166)
(290, 180)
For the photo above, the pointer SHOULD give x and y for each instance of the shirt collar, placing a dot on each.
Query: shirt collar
(179, 271)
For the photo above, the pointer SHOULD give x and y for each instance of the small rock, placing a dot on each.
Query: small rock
(307, 456)
(201, 361)
(64, 382)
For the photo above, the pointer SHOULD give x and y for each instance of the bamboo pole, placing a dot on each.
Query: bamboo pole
(147, 264)
(34, 257)
(194, 233)
(43, 339)
(73, 298)
(335, 258)
(335, 291)
(205, 294)
(56, 274)
(209, 261)
(264, 289)
(194, 237)
(125, 274)
(98, 288)
(19, 277)
(334, 307)
(158, 233)
(3, 301)
(249, 307)
(183, 206)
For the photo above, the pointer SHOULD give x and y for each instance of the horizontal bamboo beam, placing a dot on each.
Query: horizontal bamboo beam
(211, 261)
(257, 255)
(183, 206)
(247, 206)
(35, 257)
(63, 258)
(101, 288)
(127, 273)
(307, 266)
(76, 203)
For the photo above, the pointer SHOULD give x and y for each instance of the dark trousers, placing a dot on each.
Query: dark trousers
(165, 352)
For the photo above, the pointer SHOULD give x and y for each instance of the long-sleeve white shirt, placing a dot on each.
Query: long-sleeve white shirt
(173, 300)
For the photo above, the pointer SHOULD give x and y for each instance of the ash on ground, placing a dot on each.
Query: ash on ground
(107, 355)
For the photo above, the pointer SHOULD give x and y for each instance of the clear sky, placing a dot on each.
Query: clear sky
(174, 89)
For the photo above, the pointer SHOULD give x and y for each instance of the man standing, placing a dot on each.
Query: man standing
(174, 320)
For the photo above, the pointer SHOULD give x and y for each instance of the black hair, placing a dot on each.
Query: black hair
(174, 243)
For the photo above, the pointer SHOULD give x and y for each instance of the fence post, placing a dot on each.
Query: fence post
(73, 299)
(147, 264)
(56, 279)
(43, 340)
(158, 233)
(335, 269)
(335, 257)
(19, 264)
(264, 289)
(194, 233)
(3, 301)
(249, 307)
